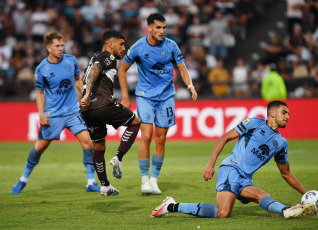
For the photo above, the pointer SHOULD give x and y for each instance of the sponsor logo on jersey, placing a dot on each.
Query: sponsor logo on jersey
(147, 56)
(128, 52)
(65, 87)
(108, 61)
(36, 77)
(180, 57)
(159, 69)
(262, 132)
(112, 57)
(52, 74)
(261, 152)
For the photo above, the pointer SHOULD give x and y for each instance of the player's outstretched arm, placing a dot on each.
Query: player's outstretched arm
(90, 81)
(187, 80)
(290, 178)
(209, 169)
(79, 87)
(123, 84)
(40, 102)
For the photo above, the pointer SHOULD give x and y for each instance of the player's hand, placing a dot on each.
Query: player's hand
(44, 121)
(194, 93)
(208, 173)
(126, 102)
(85, 101)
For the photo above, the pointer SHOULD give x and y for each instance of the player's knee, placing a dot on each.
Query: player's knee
(223, 214)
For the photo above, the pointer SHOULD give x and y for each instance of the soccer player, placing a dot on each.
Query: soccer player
(56, 81)
(155, 56)
(259, 141)
(98, 108)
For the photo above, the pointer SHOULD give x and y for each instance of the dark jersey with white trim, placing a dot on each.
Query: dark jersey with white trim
(103, 89)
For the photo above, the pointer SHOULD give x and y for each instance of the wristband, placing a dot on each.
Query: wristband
(190, 86)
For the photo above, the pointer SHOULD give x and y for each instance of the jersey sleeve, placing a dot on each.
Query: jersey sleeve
(38, 80)
(76, 69)
(177, 54)
(131, 55)
(282, 156)
(246, 125)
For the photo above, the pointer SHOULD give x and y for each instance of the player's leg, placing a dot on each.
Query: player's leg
(97, 130)
(144, 156)
(204, 210)
(225, 201)
(88, 151)
(146, 112)
(165, 118)
(157, 157)
(77, 126)
(121, 116)
(256, 195)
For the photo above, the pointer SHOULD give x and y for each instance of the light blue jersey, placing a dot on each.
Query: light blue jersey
(257, 144)
(58, 82)
(155, 67)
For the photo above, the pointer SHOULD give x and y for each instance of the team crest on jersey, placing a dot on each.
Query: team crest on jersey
(164, 53)
(275, 143)
(128, 52)
(246, 121)
(68, 67)
(108, 61)
(112, 57)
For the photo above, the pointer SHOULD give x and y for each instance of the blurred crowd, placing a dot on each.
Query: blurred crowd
(205, 31)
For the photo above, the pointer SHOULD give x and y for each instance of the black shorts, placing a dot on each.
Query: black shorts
(114, 114)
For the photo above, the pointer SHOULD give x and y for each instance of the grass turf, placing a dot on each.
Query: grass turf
(55, 197)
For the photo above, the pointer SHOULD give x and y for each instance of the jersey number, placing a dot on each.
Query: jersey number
(169, 112)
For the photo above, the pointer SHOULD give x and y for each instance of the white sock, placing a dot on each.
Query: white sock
(24, 179)
(90, 181)
(145, 178)
(153, 180)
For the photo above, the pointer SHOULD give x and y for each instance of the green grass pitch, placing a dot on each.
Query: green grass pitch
(55, 197)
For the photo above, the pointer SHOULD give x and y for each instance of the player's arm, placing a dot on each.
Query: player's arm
(123, 84)
(187, 79)
(209, 169)
(79, 87)
(90, 82)
(40, 101)
(289, 177)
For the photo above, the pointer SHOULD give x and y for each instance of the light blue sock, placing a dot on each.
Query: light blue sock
(157, 162)
(270, 205)
(88, 163)
(199, 209)
(144, 166)
(32, 160)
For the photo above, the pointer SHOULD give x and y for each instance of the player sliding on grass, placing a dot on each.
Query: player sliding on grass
(258, 142)
(98, 108)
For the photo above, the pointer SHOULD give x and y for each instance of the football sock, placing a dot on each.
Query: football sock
(99, 163)
(32, 160)
(198, 209)
(144, 166)
(88, 163)
(157, 162)
(270, 205)
(127, 139)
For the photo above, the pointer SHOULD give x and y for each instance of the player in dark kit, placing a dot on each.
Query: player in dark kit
(98, 108)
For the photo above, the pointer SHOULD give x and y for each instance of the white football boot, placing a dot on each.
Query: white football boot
(154, 186)
(299, 210)
(162, 210)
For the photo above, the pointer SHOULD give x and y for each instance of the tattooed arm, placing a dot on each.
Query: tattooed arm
(90, 81)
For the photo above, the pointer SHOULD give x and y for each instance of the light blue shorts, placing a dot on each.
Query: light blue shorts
(73, 122)
(230, 179)
(162, 113)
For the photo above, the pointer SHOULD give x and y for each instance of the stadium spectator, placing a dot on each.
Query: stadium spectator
(20, 18)
(39, 24)
(256, 77)
(274, 50)
(254, 148)
(98, 108)
(294, 14)
(218, 28)
(154, 56)
(56, 79)
(240, 79)
(219, 78)
(273, 86)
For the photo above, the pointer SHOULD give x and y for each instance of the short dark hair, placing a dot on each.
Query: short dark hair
(50, 36)
(155, 16)
(272, 104)
(111, 34)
